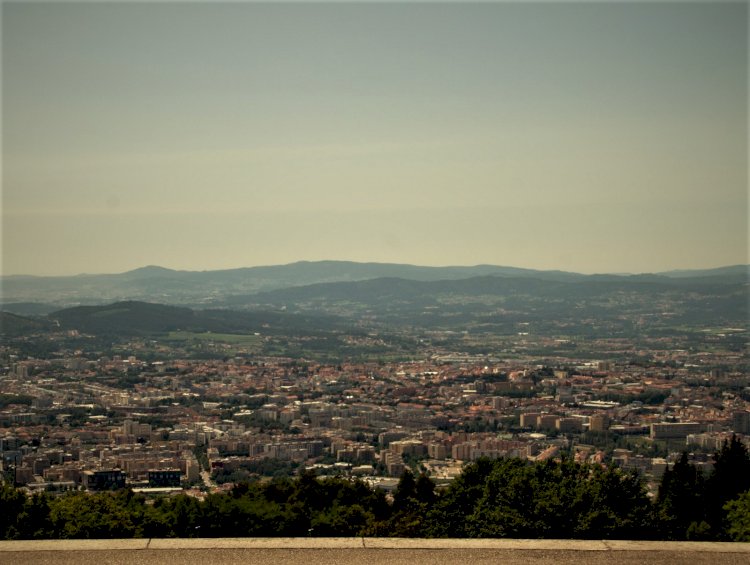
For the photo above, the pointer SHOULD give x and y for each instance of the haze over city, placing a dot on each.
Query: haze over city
(588, 137)
(375, 271)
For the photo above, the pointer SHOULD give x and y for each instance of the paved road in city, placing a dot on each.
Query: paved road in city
(368, 552)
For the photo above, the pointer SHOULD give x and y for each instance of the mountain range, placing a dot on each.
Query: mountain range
(335, 297)
(201, 289)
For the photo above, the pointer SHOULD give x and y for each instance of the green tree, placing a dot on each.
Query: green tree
(34, 522)
(730, 478)
(182, 513)
(448, 515)
(341, 520)
(616, 506)
(12, 503)
(515, 498)
(405, 494)
(412, 501)
(680, 501)
(425, 489)
(738, 517)
(96, 516)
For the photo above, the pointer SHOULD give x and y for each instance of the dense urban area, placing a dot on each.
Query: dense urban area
(621, 432)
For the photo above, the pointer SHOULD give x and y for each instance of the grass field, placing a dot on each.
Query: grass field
(249, 341)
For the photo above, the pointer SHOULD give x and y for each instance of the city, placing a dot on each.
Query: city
(375, 269)
(77, 422)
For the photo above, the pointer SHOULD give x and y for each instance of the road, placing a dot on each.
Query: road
(206, 476)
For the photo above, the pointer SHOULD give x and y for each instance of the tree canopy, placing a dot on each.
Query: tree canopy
(491, 498)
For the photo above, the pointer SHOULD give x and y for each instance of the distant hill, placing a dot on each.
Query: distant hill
(12, 325)
(29, 308)
(404, 301)
(206, 289)
(125, 317)
(741, 271)
(586, 306)
(140, 318)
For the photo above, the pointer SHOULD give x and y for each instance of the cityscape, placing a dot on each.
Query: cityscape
(134, 403)
(375, 269)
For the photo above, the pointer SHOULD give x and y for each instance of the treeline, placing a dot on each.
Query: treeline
(491, 498)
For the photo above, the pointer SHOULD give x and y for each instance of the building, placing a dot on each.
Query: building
(547, 421)
(569, 425)
(104, 480)
(674, 430)
(741, 422)
(598, 422)
(437, 451)
(164, 478)
(529, 419)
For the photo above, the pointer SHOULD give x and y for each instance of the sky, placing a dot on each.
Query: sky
(587, 137)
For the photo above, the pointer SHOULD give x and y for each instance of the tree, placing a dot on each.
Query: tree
(95, 516)
(405, 494)
(425, 489)
(516, 498)
(680, 502)
(738, 517)
(448, 517)
(730, 478)
(412, 502)
(12, 503)
(340, 520)
(613, 505)
(183, 515)
(34, 522)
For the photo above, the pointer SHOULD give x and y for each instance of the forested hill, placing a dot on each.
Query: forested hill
(595, 306)
(545, 304)
(141, 318)
(167, 286)
(14, 325)
(125, 317)
(485, 302)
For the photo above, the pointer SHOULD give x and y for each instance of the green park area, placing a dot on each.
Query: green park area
(249, 342)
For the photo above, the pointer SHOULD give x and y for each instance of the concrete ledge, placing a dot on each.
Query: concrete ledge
(372, 543)
(257, 543)
(676, 546)
(74, 545)
(505, 544)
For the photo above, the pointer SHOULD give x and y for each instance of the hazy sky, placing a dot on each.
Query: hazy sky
(591, 137)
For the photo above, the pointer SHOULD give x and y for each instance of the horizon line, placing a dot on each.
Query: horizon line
(389, 263)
